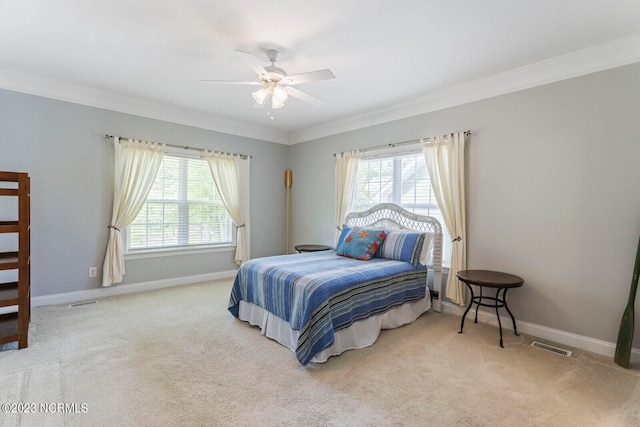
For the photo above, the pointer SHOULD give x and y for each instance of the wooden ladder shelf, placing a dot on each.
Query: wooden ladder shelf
(14, 325)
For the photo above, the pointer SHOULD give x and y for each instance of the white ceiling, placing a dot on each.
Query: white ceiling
(391, 59)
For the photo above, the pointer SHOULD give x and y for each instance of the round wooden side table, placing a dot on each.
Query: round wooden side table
(312, 248)
(490, 279)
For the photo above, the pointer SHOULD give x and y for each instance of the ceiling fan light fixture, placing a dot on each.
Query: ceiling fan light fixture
(275, 104)
(275, 82)
(261, 95)
(279, 95)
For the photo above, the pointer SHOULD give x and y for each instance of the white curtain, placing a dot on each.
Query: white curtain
(346, 171)
(136, 167)
(231, 177)
(444, 157)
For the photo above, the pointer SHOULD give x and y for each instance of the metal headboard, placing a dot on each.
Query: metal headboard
(391, 216)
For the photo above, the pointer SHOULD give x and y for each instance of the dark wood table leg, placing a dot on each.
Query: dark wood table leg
(513, 319)
(478, 303)
(498, 313)
(468, 307)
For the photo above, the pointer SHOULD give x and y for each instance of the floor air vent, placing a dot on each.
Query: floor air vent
(557, 350)
(78, 304)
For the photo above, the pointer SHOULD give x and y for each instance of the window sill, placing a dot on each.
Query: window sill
(174, 252)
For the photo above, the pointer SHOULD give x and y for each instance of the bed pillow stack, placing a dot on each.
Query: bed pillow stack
(360, 243)
(402, 246)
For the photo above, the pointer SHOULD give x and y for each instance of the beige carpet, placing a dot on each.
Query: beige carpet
(176, 357)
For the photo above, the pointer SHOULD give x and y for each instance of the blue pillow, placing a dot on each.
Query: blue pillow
(361, 243)
(345, 230)
(402, 246)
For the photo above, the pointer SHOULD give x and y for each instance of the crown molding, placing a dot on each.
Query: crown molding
(586, 61)
(597, 58)
(50, 88)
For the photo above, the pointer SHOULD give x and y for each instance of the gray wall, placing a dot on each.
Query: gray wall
(553, 193)
(62, 146)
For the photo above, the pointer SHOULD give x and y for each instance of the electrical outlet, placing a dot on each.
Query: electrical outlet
(93, 271)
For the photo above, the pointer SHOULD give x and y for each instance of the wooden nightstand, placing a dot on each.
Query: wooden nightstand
(490, 279)
(312, 248)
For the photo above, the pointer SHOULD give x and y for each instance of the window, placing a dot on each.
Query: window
(183, 210)
(402, 179)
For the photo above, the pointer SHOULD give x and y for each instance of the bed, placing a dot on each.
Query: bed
(320, 304)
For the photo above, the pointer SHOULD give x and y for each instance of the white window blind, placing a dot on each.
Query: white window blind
(183, 210)
(402, 179)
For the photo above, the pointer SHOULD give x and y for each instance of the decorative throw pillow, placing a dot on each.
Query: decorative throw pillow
(402, 246)
(361, 243)
(345, 230)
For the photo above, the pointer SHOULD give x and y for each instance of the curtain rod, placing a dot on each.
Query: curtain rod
(243, 156)
(396, 144)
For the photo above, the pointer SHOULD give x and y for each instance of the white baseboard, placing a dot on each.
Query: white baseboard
(561, 337)
(95, 294)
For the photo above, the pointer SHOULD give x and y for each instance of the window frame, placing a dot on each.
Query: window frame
(184, 249)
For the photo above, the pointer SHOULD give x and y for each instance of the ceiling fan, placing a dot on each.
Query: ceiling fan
(275, 82)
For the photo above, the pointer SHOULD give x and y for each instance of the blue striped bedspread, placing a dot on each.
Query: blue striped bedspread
(318, 293)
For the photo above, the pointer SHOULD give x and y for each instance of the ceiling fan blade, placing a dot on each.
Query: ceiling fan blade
(303, 96)
(252, 62)
(231, 82)
(311, 76)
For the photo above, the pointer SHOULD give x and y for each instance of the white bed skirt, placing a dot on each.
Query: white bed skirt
(361, 334)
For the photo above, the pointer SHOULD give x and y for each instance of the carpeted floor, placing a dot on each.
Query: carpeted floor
(176, 357)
